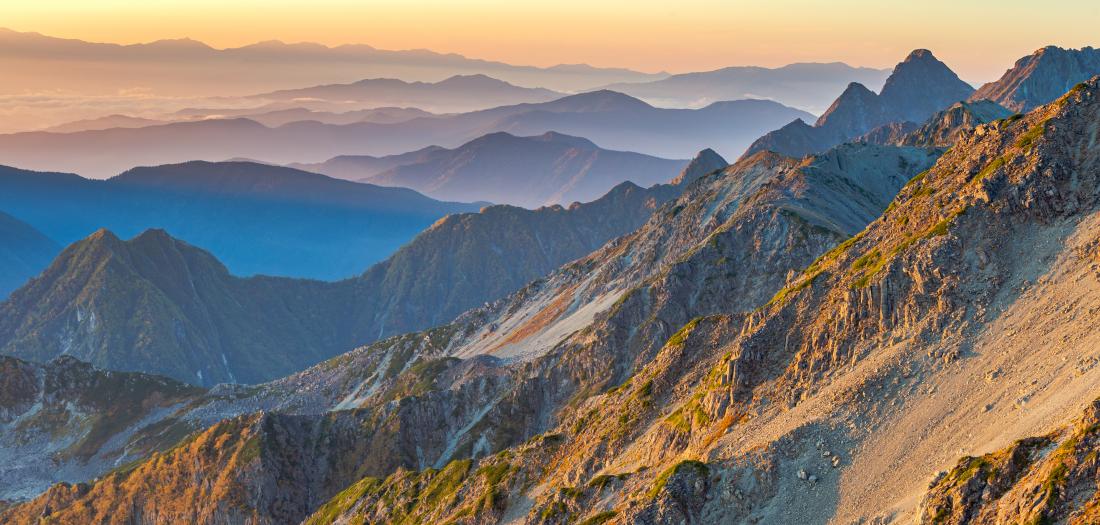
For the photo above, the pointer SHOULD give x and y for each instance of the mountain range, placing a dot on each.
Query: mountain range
(586, 326)
(807, 86)
(894, 322)
(259, 219)
(525, 171)
(155, 304)
(265, 114)
(461, 93)
(918, 87)
(38, 62)
(611, 120)
(795, 398)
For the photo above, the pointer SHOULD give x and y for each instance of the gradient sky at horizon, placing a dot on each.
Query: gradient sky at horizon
(977, 38)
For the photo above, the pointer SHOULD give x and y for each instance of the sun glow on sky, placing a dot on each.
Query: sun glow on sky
(978, 38)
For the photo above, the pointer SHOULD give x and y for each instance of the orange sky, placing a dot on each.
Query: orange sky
(980, 39)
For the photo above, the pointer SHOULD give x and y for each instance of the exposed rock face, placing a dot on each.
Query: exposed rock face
(958, 316)
(1041, 77)
(64, 420)
(855, 111)
(24, 251)
(716, 248)
(1046, 479)
(943, 129)
(920, 86)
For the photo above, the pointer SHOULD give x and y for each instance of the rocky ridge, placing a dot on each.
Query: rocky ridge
(943, 129)
(919, 86)
(1041, 77)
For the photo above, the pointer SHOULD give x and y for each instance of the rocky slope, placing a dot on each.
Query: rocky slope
(1041, 479)
(959, 320)
(1041, 77)
(466, 260)
(581, 331)
(919, 86)
(956, 320)
(66, 420)
(155, 304)
(24, 251)
(505, 169)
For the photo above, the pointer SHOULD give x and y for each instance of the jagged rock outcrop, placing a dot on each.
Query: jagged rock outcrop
(943, 129)
(24, 251)
(1042, 479)
(1041, 77)
(920, 86)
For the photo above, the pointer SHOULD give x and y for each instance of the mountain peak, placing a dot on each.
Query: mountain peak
(599, 100)
(920, 86)
(477, 79)
(103, 235)
(153, 236)
(854, 91)
(554, 136)
(704, 162)
(1041, 77)
(920, 55)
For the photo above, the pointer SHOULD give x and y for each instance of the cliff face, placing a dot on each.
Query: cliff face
(733, 360)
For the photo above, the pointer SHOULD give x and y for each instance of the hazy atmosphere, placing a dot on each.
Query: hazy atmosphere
(978, 37)
(549, 263)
